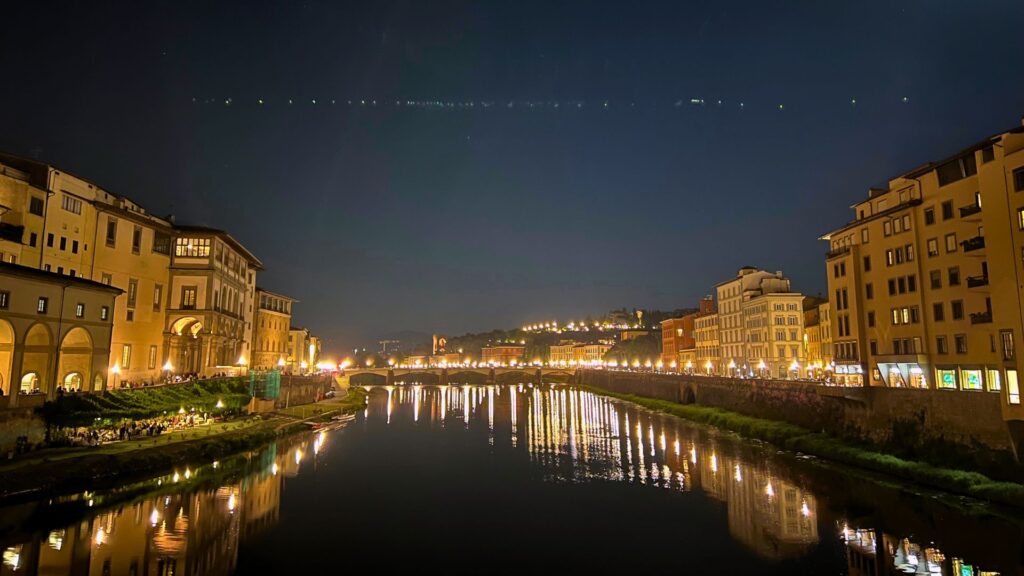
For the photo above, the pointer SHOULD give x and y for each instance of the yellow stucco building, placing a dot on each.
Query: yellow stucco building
(270, 331)
(925, 282)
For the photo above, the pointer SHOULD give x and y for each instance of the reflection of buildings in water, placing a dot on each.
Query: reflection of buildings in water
(574, 434)
(196, 533)
(869, 553)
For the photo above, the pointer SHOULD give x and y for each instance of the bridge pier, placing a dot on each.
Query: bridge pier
(443, 378)
(390, 378)
(490, 376)
(539, 375)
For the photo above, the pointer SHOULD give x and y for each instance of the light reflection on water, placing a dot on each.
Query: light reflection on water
(196, 520)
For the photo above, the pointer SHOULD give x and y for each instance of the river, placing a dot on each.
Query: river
(494, 479)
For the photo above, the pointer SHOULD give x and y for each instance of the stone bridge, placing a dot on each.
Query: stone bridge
(443, 375)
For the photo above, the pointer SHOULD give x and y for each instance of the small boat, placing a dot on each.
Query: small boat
(343, 417)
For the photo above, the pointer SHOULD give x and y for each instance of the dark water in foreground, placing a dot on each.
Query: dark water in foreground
(485, 479)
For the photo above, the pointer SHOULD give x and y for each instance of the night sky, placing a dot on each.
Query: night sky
(457, 218)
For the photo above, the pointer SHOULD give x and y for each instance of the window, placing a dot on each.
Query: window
(933, 247)
(71, 204)
(867, 263)
(104, 313)
(1020, 219)
(161, 243)
(106, 279)
(35, 206)
(79, 310)
(994, 381)
(43, 303)
(1012, 389)
(912, 283)
(864, 236)
(126, 356)
(947, 209)
(971, 379)
(987, 155)
(887, 228)
(188, 297)
(192, 247)
(957, 309)
(960, 341)
(938, 312)
(909, 251)
(871, 319)
(133, 292)
(956, 169)
(158, 296)
(935, 277)
(49, 240)
(890, 257)
(873, 346)
(60, 269)
(129, 315)
(901, 284)
(136, 240)
(954, 276)
(906, 222)
(892, 287)
(929, 216)
(74, 246)
(869, 291)
(5, 299)
(111, 232)
(1018, 180)
(940, 345)
(950, 243)
(63, 243)
(1006, 337)
(33, 239)
(152, 357)
(946, 379)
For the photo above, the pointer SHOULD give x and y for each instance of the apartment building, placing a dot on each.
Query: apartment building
(914, 301)
(271, 330)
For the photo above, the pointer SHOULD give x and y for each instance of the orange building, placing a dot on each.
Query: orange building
(503, 354)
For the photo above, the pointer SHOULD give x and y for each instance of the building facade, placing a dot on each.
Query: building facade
(502, 355)
(913, 301)
(271, 330)
(55, 332)
(709, 358)
(212, 284)
(731, 295)
(773, 330)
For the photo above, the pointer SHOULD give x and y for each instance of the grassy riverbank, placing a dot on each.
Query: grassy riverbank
(58, 470)
(797, 439)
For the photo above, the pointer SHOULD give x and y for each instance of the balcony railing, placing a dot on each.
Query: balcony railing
(969, 210)
(981, 318)
(977, 281)
(11, 232)
(836, 252)
(976, 243)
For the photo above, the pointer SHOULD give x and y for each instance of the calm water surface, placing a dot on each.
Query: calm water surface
(485, 479)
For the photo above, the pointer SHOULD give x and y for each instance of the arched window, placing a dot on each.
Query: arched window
(30, 383)
(73, 382)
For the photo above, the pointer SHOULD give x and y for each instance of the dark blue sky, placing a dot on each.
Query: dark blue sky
(384, 218)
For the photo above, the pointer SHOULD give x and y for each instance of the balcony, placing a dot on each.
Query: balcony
(970, 210)
(977, 281)
(11, 232)
(837, 252)
(981, 318)
(972, 244)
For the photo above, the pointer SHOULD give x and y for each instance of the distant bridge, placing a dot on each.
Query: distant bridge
(443, 375)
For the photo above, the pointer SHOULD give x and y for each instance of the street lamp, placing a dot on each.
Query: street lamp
(114, 371)
(168, 368)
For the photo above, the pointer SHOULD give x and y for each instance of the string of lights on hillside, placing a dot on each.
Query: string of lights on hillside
(514, 104)
(581, 326)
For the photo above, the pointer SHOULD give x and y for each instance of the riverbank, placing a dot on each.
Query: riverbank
(60, 470)
(800, 440)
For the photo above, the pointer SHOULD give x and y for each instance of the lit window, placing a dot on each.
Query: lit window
(946, 379)
(42, 304)
(79, 310)
(1012, 389)
(972, 379)
(192, 247)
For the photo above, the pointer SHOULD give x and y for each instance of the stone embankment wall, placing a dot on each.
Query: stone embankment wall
(17, 422)
(944, 426)
(302, 389)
